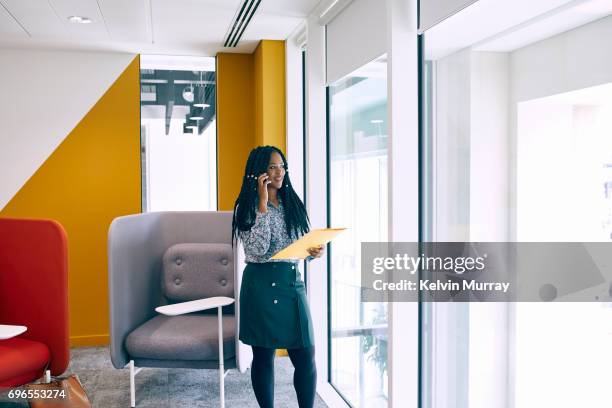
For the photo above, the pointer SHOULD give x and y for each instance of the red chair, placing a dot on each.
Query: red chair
(33, 293)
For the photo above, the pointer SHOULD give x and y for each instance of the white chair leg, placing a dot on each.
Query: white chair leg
(221, 359)
(132, 384)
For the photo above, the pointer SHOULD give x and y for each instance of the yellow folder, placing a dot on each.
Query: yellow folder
(298, 249)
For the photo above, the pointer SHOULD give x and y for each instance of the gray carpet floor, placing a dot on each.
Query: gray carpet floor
(108, 387)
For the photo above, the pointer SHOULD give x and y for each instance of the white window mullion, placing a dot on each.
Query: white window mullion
(402, 74)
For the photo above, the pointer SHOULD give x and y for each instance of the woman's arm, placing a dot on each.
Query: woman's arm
(257, 240)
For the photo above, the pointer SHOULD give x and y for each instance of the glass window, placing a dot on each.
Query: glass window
(358, 201)
(178, 133)
(517, 147)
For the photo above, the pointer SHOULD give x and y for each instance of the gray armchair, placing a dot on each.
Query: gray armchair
(161, 259)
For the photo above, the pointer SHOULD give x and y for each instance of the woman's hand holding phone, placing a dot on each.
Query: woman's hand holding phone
(262, 190)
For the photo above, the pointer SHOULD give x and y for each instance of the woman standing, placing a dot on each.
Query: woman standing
(274, 312)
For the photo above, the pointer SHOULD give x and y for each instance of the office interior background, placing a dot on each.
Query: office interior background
(403, 120)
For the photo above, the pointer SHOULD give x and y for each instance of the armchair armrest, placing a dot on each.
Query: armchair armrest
(194, 305)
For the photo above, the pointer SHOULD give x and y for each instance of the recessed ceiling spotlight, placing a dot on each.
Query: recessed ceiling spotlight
(196, 117)
(201, 105)
(80, 20)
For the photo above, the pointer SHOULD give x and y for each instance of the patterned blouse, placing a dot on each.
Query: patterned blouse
(267, 236)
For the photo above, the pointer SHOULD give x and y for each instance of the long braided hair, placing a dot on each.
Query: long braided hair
(296, 218)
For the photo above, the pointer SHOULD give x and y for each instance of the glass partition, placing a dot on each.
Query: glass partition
(358, 201)
(178, 133)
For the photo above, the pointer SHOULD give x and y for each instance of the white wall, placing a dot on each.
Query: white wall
(44, 96)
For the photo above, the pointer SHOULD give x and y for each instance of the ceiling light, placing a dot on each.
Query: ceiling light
(80, 20)
(196, 117)
(201, 105)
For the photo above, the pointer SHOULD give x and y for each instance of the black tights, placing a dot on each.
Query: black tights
(304, 376)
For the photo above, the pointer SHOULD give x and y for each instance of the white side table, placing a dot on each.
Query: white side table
(194, 306)
(8, 331)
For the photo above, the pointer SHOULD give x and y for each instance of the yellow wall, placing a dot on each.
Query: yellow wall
(251, 111)
(235, 129)
(270, 95)
(92, 177)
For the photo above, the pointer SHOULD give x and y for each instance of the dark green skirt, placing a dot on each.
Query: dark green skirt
(274, 311)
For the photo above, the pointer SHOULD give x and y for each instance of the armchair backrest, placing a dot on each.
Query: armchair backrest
(194, 271)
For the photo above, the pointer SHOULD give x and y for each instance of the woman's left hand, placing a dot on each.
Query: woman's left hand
(316, 252)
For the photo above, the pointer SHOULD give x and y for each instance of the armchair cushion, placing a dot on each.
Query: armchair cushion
(185, 337)
(22, 361)
(196, 271)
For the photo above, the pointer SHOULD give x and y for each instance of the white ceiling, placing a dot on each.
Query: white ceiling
(503, 26)
(171, 27)
(571, 15)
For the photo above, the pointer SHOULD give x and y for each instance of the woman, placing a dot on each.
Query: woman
(274, 312)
